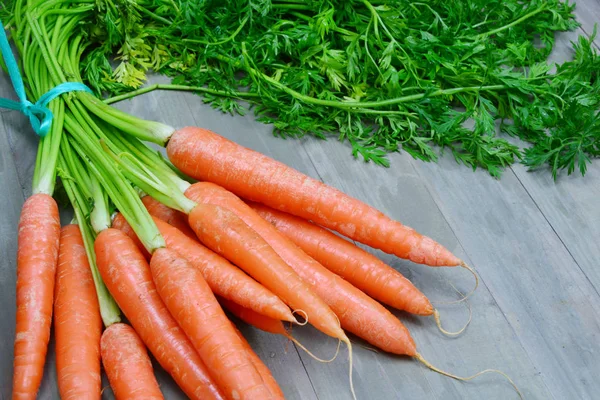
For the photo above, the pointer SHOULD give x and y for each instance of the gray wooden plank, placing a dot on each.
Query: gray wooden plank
(547, 300)
(11, 200)
(22, 146)
(588, 14)
(570, 206)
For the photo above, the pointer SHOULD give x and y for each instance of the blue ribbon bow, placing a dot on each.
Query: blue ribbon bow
(39, 115)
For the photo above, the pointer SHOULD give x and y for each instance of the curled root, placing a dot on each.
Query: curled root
(468, 378)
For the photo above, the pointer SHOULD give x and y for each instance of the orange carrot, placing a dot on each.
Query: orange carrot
(225, 233)
(268, 325)
(37, 256)
(204, 155)
(190, 300)
(357, 266)
(169, 215)
(252, 318)
(357, 312)
(260, 366)
(223, 278)
(127, 365)
(127, 276)
(77, 321)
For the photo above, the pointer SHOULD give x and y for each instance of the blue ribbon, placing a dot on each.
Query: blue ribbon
(39, 115)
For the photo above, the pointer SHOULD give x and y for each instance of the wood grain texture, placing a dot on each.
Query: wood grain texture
(534, 243)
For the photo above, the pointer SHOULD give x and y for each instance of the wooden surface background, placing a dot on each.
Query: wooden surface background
(535, 244)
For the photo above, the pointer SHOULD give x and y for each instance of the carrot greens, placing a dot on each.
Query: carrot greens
(382, 76)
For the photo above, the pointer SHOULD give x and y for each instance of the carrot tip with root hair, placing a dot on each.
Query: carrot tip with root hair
(464, 297)
(349, 344)
(297, 343)
(438, 322)
(471, 270)
(419, 357)
(304, 316)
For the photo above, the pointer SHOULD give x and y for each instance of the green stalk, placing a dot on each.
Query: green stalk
(122, 194)
(68, 162)
(100, 215)
(515, 22)
(227, 39)
(185, 88)
(153, 182)
(150, 131)
(44, 177)
(366, 104)
(291, 7)
(128, 144)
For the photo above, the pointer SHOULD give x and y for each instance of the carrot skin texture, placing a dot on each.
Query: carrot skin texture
(127, 277)
(252, 318)
(357, 312)
(170, 216)
(357, 266)
(77, 321)
(223, 278)
(37, 256)
(127, 365)
(190, 300)
(260, 366)
(204, 155)
(225, 233)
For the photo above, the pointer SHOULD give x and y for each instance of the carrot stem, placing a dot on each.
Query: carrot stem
(153, 181)
(70, 165)
(180, 88)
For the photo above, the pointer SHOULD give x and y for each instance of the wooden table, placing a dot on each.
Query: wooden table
(534, 242)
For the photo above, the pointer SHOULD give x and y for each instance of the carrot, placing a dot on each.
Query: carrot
(127, 276)
(77, 321)
(169, 215)
(204, 155)
(223, 278)
(225, 233)
(190, 300)
(247, 249)
(260, 366)
(37, 256)
(357, 312)
(127, 365)
(250, 317)
(268, 325)
(359, 267)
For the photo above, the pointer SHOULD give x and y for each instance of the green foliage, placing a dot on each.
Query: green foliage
(385, 76)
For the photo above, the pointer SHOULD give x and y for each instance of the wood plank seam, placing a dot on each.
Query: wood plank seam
(556, 232)
(306, 371)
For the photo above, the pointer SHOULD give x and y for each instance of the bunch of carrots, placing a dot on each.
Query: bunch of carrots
(172, 244)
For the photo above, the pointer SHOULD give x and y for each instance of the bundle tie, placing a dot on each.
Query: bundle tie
(39, 115)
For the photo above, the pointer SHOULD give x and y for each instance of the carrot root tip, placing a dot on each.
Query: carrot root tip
(438, 322)
(303, 314)
(468, 378)
(472, 271)
(463, 296)
(349, 344)
(297, 343)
